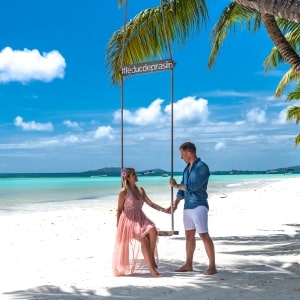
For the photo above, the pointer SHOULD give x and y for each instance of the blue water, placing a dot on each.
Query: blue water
(30, 193)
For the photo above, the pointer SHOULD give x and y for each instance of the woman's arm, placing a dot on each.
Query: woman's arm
(121, 201)
(151, 203)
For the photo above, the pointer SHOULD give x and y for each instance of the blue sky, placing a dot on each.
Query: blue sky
(60, 112)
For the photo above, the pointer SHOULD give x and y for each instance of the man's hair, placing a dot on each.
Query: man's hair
(188, 146)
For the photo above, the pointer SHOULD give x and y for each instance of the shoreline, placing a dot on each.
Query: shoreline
(26, 196)
(67, 253)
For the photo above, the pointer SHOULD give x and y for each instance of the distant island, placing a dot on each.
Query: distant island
(286, 170)
(115, 171)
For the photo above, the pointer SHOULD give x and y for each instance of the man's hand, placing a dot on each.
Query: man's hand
(173, 182)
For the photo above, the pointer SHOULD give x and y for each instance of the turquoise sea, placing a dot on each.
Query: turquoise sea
(33, 193)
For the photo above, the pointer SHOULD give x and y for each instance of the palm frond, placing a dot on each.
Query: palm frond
(288, 26)
(294, 95)
(292, 35)
(290, 76)
(233, 16)
(297, 140)
(145, 36)
(293, 113)
(273, 59)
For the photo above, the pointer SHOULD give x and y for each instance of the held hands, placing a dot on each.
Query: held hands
(165, 210)
(159, 208)
(170, 209)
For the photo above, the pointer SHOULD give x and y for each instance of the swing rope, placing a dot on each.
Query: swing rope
(164, 24)
(162, 2)
(122, 85)
(172, 110)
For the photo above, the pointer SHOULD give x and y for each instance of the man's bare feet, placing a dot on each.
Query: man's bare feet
(210, 271)
(184, 268)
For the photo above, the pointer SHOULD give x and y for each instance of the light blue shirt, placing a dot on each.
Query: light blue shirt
(195, 183)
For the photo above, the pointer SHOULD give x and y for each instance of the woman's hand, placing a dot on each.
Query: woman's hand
(165, 210)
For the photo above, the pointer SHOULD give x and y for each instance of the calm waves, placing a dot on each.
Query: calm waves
(45, 193)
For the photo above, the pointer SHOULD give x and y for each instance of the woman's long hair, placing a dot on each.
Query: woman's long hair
(126, 172)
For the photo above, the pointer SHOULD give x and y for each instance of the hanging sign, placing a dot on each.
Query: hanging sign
(148, 67)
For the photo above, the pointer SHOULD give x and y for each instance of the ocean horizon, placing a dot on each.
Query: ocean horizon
(48, 191)
(155, 172)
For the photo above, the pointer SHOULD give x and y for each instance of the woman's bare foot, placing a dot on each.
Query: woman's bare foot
(210, 271)
(154, 273)
(184, 268)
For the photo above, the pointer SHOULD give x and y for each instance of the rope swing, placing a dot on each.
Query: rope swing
(147, 67)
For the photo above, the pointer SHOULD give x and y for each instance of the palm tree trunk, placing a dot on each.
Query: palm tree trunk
(279, 40)
(287, 9)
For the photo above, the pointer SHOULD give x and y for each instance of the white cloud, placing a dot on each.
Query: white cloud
(32, 125)
(143, 116)
(220, 146)
(229, 93)
(103, 131)
(71, 124)
(27, 65)
(281, 117)
(71, 139)
(189, 109)
(186, 110)
(240, 122)
(231, 138)
(256, 115)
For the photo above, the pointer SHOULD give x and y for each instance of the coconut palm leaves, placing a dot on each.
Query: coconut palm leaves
(233, 17)
(279, 40)
(288, 10)
(293, 112)
(292, 35)
(287, 46)
(236, 16)
(148, 35)
(145, 36)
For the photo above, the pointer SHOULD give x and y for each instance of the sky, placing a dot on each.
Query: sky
(60, 111)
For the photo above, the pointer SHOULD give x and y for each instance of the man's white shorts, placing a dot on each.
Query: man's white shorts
(196, 219)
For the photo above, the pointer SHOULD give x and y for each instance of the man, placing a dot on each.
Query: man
(193, 189)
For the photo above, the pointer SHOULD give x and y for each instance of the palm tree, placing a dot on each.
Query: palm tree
(285, 46)
(144, 37)
(279, 40)
(292, 35)
(279, 8)
(293, 112)
(235, 15)
(288, 10)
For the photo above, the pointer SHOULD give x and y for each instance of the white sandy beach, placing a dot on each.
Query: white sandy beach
(67, 253)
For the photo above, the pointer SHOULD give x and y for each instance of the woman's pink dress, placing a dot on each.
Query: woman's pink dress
(133, 224)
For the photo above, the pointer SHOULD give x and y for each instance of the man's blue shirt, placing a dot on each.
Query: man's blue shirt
(195, 183)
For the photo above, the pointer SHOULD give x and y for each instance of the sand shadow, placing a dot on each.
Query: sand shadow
(254, 278)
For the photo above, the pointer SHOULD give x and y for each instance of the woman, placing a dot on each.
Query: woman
(135, 232)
